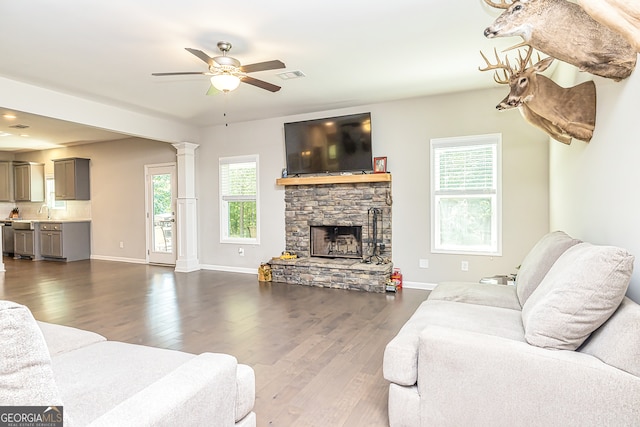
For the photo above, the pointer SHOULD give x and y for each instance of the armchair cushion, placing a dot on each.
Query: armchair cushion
(581, 291)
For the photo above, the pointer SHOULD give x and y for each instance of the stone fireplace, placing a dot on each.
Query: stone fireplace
(329, 225)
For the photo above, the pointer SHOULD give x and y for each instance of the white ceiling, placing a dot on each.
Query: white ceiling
(353, 52)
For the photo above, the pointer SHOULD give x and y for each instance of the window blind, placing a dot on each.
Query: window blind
(464, 169)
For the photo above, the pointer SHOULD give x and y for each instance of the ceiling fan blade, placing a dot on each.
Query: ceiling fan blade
(262, 66)
(261, 84)
(200, 54)
(180, 73)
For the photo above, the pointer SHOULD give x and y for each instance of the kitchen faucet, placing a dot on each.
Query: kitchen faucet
(48, 210)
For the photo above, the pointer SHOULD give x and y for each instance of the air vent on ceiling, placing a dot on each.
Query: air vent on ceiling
(19, 126)
(288, 75)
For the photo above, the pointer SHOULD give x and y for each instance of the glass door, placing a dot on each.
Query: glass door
(161, 218)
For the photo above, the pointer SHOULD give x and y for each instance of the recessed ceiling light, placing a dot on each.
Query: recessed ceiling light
(24, 135)
(288, 75)
(9, 116)
(4, 134)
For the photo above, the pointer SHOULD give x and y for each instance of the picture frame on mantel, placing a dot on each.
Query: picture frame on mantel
(379, 165)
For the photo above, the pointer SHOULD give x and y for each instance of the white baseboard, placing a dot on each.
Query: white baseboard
(227, 269)
(408, 285)
(119, 259)
(419, 285)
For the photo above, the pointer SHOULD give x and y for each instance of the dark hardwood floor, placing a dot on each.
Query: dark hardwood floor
(317, 353)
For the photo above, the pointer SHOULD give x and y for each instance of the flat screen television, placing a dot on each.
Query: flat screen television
(333, 144)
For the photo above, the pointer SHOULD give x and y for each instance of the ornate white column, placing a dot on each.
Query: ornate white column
(187, 209)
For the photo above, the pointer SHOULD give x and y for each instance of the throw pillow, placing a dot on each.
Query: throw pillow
(538, 262)
(579, 293)
(26, 377)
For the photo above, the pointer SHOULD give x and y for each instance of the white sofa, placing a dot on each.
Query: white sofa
(107, 383)
(561, 348)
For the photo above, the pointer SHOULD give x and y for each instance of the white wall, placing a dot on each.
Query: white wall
(593, 193)
(401, 131)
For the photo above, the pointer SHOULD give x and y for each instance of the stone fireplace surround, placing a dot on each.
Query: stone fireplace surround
(335, 201)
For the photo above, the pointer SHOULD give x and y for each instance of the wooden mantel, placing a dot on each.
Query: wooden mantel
(335, 179)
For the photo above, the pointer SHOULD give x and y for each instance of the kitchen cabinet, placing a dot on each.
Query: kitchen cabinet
(28, 182)
(50, 243)
(6, 181)
(72, 178)
(25, 243)
(65, 241)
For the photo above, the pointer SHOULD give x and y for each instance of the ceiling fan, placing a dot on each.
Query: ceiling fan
(227, 73)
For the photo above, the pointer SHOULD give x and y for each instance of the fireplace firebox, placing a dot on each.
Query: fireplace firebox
(335, 241)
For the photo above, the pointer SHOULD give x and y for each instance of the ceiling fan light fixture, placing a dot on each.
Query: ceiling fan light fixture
(225, 82)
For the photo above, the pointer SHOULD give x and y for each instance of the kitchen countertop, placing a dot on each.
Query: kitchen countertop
(50, 220)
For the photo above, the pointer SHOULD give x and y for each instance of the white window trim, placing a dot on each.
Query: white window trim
(223, 215)
(496, 139)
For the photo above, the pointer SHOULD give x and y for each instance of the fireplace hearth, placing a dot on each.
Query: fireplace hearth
(334, 241)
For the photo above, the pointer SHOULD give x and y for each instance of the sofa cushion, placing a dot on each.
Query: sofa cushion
(476, 293)
(26, 377)
(96, 378)
(579, 293)
(61, 339)
(400, 364)
(617, 342)
(539, 260)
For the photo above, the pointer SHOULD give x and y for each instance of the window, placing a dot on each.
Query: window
(466, 195)
(50, 195)
(239, 199)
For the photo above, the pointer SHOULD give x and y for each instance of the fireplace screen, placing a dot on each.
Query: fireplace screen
(336, 241)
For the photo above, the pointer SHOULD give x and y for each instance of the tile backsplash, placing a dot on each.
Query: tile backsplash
(75, 209)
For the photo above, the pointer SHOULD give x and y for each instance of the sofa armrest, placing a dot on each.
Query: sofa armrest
(467, 378)
(200, 392)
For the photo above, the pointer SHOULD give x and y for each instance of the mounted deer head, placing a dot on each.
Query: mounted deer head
(622, 16)
(563, 30)
(563, 113)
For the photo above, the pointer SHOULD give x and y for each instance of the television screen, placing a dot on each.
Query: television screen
(334, 144)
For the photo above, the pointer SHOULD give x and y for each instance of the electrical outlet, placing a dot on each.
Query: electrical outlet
(464, 265)
(241, 251)
(424, 263)
(121, 245)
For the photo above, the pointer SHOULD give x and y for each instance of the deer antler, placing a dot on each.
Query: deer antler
(506, 68)
(504, 4)
(525, 61)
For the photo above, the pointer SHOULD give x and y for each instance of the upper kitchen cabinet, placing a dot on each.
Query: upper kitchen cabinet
(28, 182)
(6, 181)
(72, 179)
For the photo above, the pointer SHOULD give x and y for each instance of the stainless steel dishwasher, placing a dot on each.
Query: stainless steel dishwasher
(7, 238)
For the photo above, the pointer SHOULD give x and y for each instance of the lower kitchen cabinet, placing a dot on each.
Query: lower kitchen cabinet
(24, 243)
(65, 241)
